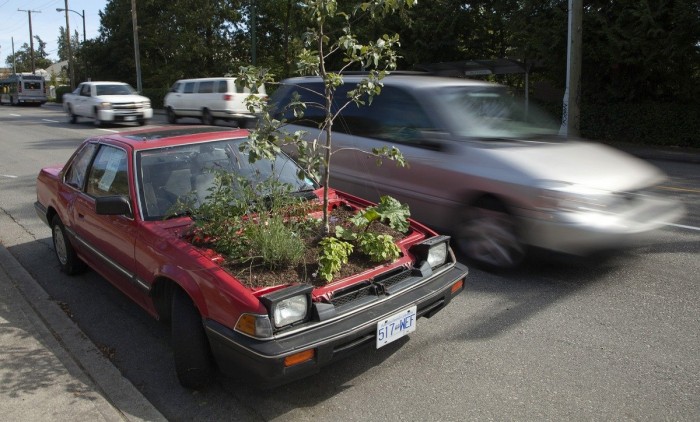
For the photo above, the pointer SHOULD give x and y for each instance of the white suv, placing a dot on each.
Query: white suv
(209, 99)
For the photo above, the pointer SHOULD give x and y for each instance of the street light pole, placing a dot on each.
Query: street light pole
(136, 46)
(70, 49)
(82, 15)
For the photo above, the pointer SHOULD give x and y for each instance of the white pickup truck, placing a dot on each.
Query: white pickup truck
(107, 102)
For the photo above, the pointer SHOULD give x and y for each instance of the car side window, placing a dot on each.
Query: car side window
(189, 88)
(206, 87)
(394, 116)
(75, 175)
(108, 175)
(175, 87)
(85, 91)
(310, 94)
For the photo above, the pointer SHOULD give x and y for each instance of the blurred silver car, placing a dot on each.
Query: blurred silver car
(484, 167)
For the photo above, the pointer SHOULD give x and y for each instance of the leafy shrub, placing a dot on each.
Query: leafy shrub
(60, 90)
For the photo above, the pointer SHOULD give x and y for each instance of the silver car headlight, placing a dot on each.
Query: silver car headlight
(569, 197)
(105, 106)
(288, 306)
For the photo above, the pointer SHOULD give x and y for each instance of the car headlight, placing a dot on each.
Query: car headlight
(288, 306)
(568, 197)
(434, 251)
(105, 106)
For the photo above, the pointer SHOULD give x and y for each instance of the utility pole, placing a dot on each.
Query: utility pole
(71, 64)
(571, 112)
(136, 46)
(31, 36)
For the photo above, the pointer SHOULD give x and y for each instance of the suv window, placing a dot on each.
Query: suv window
(206, 87)
(189, 88)
(223, 87)
(394, 115)
(175, 87)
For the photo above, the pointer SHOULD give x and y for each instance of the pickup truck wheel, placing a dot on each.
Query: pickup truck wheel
(141, 122)
(487, 236)
(72, 118)
(207, 118)
(172, 117)
(194, 364)
(70, 263)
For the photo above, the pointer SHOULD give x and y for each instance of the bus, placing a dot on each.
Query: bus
(21, 88)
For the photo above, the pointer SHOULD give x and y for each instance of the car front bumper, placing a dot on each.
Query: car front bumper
(125, 115)
(586, 232)
(263, 362)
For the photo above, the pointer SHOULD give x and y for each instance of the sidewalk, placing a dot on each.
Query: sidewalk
(48, 369)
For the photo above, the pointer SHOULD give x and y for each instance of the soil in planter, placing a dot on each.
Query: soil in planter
(254, 274)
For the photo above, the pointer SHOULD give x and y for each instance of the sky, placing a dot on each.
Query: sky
(45, 23)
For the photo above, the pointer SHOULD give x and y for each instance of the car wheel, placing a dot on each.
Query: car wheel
(172, 117)
(193, 360)
(141, 122)
(72, 118)
(488, 237)
(70, 263)
(207, 118)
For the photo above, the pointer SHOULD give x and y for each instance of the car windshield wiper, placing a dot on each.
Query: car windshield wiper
(183, 213)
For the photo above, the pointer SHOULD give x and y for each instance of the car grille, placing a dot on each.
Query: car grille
(127, 106)
(371, 289)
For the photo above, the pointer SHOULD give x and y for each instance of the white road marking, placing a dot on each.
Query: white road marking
(15, 115)
(109, 130)
(8, 176)
(683, 226)
(51, 121)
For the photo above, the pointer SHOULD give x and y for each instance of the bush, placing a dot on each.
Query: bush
(664, 124)
(60, 90)
(156, 95)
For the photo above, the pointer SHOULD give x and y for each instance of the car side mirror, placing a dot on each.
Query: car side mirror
(113, 205)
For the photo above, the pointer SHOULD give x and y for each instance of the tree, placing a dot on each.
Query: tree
(23, 59)
(330, 40)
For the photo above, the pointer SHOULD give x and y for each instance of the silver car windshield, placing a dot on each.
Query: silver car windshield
(493, 113)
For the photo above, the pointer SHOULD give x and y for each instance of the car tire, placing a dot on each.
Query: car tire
(207, 118)
(194, 364)
(141, 122)
(170, 113)
(488, 237)
(67, 258)
(72, 118)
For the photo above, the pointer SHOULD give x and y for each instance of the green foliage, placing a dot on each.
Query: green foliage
(156, 95)
(334, 253)
(389, 211)
(647, 123)
(60, 90)
(379, 247)
(260, 223)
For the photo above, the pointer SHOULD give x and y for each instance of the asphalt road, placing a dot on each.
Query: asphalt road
(612, 337)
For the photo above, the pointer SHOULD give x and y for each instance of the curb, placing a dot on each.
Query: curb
(78, 354)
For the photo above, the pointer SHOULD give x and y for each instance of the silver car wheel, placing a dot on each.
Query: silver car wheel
(488, 236)
(59, 242)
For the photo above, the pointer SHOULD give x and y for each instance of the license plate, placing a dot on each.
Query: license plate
(396, 326)
(130, 118)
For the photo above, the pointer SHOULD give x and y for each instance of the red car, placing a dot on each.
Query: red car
(110, 207)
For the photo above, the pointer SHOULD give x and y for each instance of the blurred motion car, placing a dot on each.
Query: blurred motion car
(111, 207)
(483, 167)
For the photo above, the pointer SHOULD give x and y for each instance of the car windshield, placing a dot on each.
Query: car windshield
(492, 113)
(181, 174)
(116, 89)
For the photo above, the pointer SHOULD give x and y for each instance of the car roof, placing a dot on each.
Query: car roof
(416, 80)
(172, 135)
